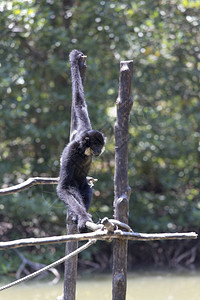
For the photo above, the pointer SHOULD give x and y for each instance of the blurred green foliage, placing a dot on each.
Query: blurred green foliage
(163, 39)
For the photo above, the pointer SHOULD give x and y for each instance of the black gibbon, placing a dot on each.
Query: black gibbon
(76, 158)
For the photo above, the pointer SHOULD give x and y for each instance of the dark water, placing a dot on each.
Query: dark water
(141, 286)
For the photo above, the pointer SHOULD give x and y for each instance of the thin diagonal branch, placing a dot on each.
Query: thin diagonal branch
(53, 265)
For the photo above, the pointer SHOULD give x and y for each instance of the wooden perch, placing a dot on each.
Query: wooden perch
(97, 235)
(121, 224)
(93, 227)
(27, 184)
(36, 181)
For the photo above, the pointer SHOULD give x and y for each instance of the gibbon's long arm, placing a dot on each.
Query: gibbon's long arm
(78, 98)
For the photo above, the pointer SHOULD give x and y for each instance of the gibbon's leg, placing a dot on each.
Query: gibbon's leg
(74, 203)
(86, 193)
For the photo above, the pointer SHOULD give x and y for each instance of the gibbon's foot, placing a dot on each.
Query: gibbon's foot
(82, 223)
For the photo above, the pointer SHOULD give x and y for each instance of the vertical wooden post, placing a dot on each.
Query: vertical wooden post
(70, 274)
(121, 187)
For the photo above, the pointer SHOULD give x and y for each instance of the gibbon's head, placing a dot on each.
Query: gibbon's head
(94, 142)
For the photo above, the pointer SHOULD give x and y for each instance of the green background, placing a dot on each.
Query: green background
(163, 39)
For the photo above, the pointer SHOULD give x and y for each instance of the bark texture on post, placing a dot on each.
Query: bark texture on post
(70, 274)
(121, 187)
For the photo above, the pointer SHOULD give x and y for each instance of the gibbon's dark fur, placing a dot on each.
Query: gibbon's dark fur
(76, 158)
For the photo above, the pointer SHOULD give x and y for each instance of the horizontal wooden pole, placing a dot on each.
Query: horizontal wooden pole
(27, 184)
(36, 181)
(98, 235)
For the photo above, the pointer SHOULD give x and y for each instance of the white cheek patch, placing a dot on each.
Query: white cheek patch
(88, 151)
(103, 149)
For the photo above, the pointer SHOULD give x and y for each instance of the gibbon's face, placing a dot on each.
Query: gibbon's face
(95, 144)
(98, 144)
(97, 150)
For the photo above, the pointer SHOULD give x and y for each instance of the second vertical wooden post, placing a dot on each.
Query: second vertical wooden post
(121, 187)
